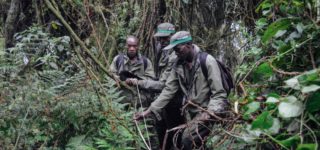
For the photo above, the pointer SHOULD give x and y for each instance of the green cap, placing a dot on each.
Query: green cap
(178, 38)
(165, 29)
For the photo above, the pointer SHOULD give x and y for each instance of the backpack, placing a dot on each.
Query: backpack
(120, 60)
(226, 77)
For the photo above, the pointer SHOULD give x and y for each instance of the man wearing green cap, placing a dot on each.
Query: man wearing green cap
(171, 114)
(163, 58)
(202, 95)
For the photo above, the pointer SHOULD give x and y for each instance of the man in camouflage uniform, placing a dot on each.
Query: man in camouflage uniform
(136, 64)
(165, 59)
(187, 76)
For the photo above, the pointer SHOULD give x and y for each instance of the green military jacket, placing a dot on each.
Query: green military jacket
(137, 67)
(207, 93)
(166, 62)
(167, 59)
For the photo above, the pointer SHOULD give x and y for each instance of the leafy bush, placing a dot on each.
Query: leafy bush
(280, 80)
(49, 101)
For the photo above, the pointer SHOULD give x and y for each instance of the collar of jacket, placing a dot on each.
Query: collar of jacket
(139, 59)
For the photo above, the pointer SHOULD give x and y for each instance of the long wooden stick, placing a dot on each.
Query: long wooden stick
(210, 113)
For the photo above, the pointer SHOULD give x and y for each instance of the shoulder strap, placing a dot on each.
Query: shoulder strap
(203, 58)
(145, 62)
(119, 61)
(226, 77)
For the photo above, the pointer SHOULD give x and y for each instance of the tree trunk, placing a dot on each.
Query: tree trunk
(318, 10)
(11, 22)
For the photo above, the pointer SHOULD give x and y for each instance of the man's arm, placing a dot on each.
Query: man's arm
(149, 72)
(113, 67)
(171, 87)
(153, 85)
(218, 93)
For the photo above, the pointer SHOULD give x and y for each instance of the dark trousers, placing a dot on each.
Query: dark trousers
(194, 137)
(171, 117)
(195, 134)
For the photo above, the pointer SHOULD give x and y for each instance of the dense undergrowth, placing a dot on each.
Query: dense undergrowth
(280, 80)
(51, 99)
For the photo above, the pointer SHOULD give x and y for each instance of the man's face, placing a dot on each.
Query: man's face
(164, 41)
(183, 51)
(132, 48)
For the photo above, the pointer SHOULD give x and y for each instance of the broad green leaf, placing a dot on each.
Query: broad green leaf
(265, 69)
(264, 5)
(54, 25)
(310, 88)
(275, 127)
(74, 142)
(60, 48)
(291, 141)
(263, 121)
(275, 95)
(261, 22)
(249, 135)
(262, 72)
(299, 27)
(297, 3)
(54, 65)
(293, 36)
(273, 28)
(290, 109)
(291, 99)
(309, 78)
(272, 100)
(284, 48)
(306, 147)
(252, 107)
(280, 33)
(293, 83)
(313, 103)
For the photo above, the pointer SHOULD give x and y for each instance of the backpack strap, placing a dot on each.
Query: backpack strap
(145, 62)
(119, 61)
(203, 58)
(226, 77)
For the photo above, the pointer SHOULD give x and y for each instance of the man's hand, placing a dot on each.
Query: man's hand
(132, 81)
(140, 115)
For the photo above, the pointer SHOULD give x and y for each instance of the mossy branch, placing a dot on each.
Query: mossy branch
(83, 46)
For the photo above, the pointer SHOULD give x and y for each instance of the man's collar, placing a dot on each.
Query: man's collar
(139, 58)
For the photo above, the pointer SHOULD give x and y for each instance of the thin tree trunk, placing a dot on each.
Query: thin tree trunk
(11, 22)
(318, 10)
